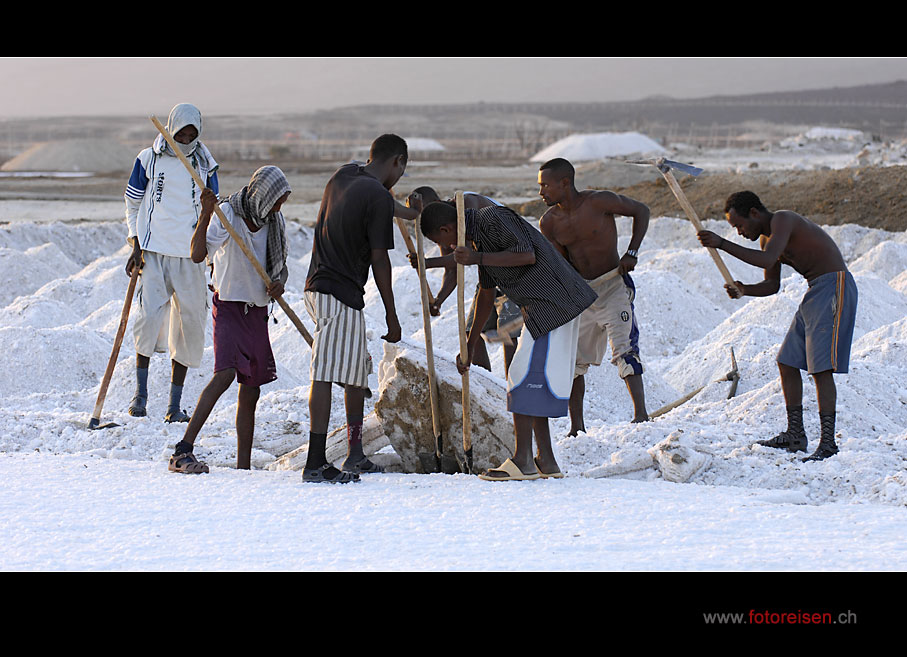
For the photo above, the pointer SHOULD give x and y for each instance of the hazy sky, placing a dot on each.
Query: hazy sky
(115, 86)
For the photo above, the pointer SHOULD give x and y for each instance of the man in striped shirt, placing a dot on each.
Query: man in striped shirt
(819, 337)
(514, 257)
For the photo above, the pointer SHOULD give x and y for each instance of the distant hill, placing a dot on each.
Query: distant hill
(505, 130)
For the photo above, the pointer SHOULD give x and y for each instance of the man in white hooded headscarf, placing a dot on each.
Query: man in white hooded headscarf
(163, 204)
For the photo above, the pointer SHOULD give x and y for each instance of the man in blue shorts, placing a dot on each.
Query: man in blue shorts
(517, 259)
(820, 335)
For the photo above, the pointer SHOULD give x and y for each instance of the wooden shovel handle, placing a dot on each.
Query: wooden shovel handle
(461, 312)
(404, 231)
(226, 224)
(426, 325)
(118, 341)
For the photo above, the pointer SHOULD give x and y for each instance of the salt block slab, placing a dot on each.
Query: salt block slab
(404, 408)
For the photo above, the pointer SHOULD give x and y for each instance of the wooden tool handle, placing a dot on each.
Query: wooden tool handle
(118, 341)
(691, 213)
(226, 224)
(404, 231)
(461, 311)
(426, 325)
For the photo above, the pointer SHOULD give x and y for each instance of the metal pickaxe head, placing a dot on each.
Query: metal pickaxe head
(665, 165)
(733, 376)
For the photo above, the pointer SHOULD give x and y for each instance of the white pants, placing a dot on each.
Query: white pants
(174, 287)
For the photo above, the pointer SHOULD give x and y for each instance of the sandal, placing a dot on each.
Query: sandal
(510, 471)
(362, 467)
(318, 475)
(186, 463)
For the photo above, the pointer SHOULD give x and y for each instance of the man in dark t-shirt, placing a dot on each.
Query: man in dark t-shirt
(353, 233)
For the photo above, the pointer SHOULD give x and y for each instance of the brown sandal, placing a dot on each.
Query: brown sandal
(187, 464)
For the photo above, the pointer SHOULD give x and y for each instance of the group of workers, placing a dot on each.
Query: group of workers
(563, 292)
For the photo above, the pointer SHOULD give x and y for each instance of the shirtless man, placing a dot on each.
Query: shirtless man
(819, 337)
(581, 226)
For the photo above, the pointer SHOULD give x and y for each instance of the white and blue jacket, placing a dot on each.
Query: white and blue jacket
(163, 202)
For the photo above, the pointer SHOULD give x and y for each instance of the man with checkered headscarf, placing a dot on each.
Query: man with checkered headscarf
(242, 346)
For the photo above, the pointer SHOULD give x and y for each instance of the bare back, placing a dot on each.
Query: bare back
(806, 247)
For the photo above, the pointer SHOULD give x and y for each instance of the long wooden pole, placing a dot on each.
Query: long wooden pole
(429, 348)
(226, 224)
(691, 213)
(93, 423)
(461, 312)
(404, 231)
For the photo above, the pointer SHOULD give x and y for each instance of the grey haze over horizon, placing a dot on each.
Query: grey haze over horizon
(115, 86)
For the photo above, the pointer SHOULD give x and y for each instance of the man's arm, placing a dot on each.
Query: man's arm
(448, 283)
(405, 212)
(769, 286)
(781, 227)
(617, 204)
(381, 269)
(484, 304)
(135, 192)
(199, 243)
(466, 256)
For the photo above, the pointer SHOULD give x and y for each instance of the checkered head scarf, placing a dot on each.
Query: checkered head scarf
(254, 202)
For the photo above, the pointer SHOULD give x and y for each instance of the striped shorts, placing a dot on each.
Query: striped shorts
(339, 350)
(820, 335)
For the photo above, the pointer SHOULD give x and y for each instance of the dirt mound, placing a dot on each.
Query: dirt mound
(868, 196)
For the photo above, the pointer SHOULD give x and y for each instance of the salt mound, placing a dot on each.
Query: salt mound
(63, 359)
(26, 271)
(886, 260)
(87, 155)
(82, 243)
(671, 313)
(599, 145)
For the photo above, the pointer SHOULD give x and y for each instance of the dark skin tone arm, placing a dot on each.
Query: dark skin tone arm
(772, 247)
(485, 302)
(381, 270)
(199, 244)
(769, 286)
(449, 282)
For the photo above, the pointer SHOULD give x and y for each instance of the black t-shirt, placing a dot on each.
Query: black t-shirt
(356, 216)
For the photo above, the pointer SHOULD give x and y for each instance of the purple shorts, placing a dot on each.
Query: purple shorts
(241, 341)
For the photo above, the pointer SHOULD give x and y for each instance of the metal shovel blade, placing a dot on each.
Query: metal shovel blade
(438, 461)
(94, 424)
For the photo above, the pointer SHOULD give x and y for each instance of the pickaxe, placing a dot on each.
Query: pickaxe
(665, 167)
(733, 376)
